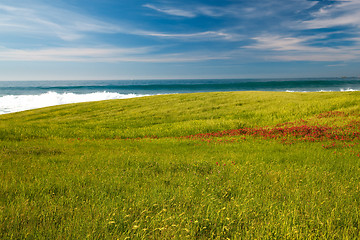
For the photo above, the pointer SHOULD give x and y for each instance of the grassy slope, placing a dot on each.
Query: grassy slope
(172, 115)
(63, 175)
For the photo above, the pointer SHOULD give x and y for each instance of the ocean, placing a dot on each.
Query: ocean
(24, 95)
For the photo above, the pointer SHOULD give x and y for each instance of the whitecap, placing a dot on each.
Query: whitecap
(16, 103)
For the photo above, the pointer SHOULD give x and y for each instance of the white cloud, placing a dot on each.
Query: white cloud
(171, 11)
(318, 46)
(212, 11)
(279, 43)
(243, 10)
(343, 13)
(302, 48)
(111, 54)
(44, 20)
(50, 21)
(317, 57)
(197, 36)
(69, 54)
(282, 48)
(71, 26)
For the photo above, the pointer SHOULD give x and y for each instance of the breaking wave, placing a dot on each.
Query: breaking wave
(16, 103)
(340, 90)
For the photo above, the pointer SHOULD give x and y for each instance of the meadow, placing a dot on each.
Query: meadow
(227, 165)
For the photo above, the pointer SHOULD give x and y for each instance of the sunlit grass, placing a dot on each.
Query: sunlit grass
(88, 171)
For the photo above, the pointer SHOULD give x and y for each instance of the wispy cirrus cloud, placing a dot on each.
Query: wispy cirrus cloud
(104, 54)
(332, 44)
(242, 10)
(86, 54)
(50, 21)
(192, 11)
(274, 28)
(341, 13)
(45, 20)
(238, 21)
(195, 36)
(283, 48)
(281, 43)
(171, 11)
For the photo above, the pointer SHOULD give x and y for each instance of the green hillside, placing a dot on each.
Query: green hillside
(172, 115)
(235, 165)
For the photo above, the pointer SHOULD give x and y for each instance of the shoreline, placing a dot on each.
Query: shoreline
(20, 103)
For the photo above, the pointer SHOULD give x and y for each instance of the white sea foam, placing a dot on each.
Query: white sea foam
(16, 103)
(348, 90)
(341, 90)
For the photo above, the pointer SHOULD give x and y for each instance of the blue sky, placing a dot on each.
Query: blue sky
(166, 39)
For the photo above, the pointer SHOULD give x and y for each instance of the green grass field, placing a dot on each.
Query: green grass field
(163, 167)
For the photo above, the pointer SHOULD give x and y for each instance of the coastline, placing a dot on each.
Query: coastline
(241, 164)
(17, 103)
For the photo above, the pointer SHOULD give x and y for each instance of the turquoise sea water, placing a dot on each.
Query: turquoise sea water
(18, 96)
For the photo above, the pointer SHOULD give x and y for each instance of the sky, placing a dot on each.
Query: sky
(166, 39)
